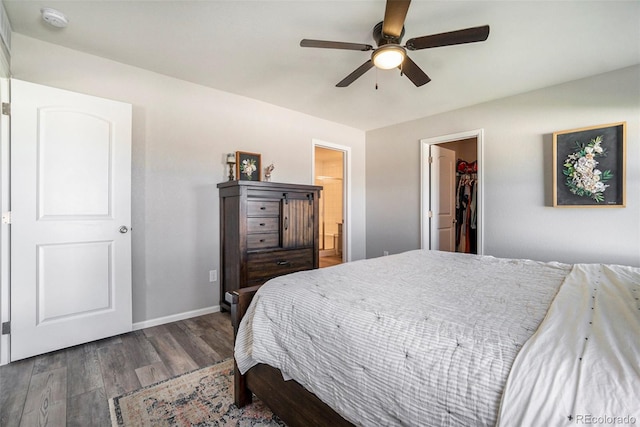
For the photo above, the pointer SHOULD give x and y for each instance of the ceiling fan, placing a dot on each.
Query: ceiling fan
(390, 54)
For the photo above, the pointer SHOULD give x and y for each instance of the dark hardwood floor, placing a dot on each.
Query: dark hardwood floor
(72, 386)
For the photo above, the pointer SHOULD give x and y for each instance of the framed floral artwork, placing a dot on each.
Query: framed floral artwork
(589, 166)
(248, 166)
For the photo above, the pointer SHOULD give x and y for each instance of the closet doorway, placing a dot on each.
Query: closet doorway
(330, 166)
(451, 192)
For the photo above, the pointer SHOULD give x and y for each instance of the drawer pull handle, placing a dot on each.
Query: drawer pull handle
(282, 262)
(262, 208)
(261, 240)
(262, 224)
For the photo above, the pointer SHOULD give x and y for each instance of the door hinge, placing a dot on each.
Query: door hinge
(430, 214)
(6, 108)
(430, 159)
(6, 328)
(6, 217)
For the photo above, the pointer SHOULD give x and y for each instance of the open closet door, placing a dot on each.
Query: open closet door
(71, 213)
(443, 208)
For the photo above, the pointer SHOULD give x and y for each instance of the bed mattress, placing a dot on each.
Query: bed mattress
(418, 338)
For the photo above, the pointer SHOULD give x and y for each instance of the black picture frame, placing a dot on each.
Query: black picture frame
(589, 167)
(248, 166)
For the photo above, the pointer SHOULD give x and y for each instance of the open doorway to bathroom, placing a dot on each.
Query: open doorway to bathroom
(329, 172)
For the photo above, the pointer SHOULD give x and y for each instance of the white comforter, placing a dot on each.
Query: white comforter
(583, 364)
(420, 338)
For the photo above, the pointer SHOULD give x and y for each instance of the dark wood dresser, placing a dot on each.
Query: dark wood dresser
(267, 229)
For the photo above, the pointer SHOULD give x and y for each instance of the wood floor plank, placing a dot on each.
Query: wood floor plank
(216, 330)
(220, 322)
(219, 343)
(50, 361)
(52, 415)
(14, 386)
(83, 369)
(47, 399)
(155, 330)
(118, 373)
(139, 350)
(152, 374)
(173, 355)
(89, 409)
(108, 341)
(196, 347)
(197, 325)
(221, 325)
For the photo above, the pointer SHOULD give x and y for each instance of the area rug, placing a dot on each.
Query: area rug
(199, 398)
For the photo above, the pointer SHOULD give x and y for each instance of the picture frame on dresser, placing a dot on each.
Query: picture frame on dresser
(589, 167)
(248, 166)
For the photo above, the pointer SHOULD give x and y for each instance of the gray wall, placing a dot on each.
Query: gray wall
(518, 218)
(181, 133)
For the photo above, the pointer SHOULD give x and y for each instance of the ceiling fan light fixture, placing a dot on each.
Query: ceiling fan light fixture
(388, 56)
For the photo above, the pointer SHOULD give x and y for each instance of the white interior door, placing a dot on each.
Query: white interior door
(71, 213)
(443, 208)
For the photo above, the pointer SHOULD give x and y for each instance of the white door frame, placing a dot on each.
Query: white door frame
(5, 260)
(346, 189)
(425, 183)
(4, 230)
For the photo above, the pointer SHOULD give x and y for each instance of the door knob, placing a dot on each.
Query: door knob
(124, 229)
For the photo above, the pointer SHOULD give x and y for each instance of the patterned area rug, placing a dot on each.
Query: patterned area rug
(199, 398)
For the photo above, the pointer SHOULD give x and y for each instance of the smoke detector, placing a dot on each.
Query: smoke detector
(54, 17)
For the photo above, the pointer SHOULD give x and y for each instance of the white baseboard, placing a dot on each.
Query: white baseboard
(175, 317)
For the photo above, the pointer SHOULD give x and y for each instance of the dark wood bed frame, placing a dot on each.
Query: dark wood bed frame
(296, 406)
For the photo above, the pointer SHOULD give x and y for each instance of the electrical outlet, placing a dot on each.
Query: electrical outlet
(385, 253)
(213, 275)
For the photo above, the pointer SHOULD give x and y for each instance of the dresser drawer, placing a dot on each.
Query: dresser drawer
(263, 241)
(263, 225)
(265, 265)
(263, 208)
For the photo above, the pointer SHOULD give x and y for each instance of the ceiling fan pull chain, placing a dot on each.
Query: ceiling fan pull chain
(376, 78)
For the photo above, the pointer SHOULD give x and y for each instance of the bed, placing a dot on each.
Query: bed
(435, 338)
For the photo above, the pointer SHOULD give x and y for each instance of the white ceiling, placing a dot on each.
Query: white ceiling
(251, 48)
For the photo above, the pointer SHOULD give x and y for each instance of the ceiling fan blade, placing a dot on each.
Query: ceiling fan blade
(355, 74)
(468, 35)
(414, 73)
(334, 45)
(394, 15)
